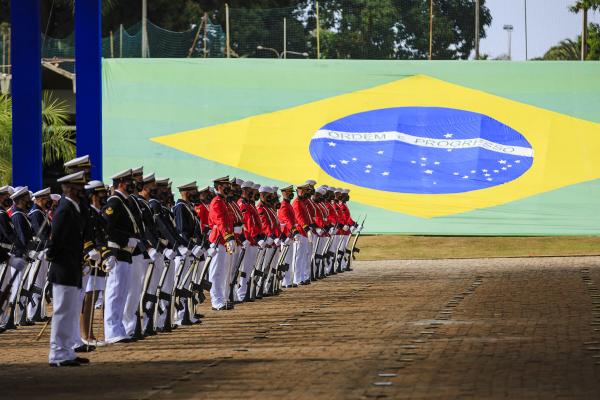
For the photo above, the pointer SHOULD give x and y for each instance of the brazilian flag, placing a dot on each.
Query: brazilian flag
(475, 148)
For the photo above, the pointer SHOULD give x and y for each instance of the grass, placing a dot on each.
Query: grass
(398, 247)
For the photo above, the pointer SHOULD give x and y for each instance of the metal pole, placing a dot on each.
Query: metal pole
(121, 41)
(3, 53)
(112, 46)
(205, 39)
(510, 44)
(318, 34)
(430, 28)
(284, 39)
(227, 29)
(584, 35)
(144, 29)
(526, 42)
(477, 29)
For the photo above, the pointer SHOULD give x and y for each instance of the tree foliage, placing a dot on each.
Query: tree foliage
(569, 49)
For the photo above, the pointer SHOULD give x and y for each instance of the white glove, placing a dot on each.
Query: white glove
(110, 263)
(197, 251)
(94, 255)
(345, 228)
(332, 231)
(352, 228)
(287, 241)
(41, 255)
(184, 251)
(152, 253)
(169, 254)
(230, 246)
(310, 236)
(17, 263)
(246, 244)
(211, 251)
(277, 241)
(269, 241)
(86, 270)
(132, 242)
(296, 237)
(238, 230)
(319, 231)
(32, 254)
(261, 244)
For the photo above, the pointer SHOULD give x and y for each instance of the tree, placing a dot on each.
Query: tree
(584, 6)
(58, 139)
(569, 49)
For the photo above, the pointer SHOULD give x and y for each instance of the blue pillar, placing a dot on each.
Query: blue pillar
(88, 75)
(26, 94)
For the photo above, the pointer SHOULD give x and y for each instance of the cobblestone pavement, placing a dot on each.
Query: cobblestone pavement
(459, 329)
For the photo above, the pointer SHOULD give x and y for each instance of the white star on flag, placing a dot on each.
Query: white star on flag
(332, 165)
(367, 171)
(413, 162)
(496, 171)
(354, 159)
(428, 171)
(466, 177)
(369, 166)
(449, 150)
(437, 163)
(332, 144)
(435, 183)
(422, 165)
(423, 158)
(503, 168)
(385, 173)
(502, 161)
(509, 166)
(456, 173)
(448, 135)
(344, 161)
(473, 171)
(517, 161)
(489, 179)
(380, 152)
(487, 175)
(484, 170)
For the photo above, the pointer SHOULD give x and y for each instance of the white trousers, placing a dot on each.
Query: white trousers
(247, 265)
(288, 278)
(65, 321)
(167, 287)
(182, 270)
(39, 282)
(115, 296)
(137, 271)
(218, 273)
(301, 261)
(159, 265)
(333, 248)
(345, 239)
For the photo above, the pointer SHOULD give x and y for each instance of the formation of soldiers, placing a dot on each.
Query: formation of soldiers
(148, 260)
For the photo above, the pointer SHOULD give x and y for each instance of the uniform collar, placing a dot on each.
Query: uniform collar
(73, 202)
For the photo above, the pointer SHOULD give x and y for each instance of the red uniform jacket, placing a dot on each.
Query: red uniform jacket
(344, 217)
(221, 221)
(332, 217)
(321, 214)
(252, 224)
(277, 227)
(202, 212)
(287, 220)
(266, 220)
(311, 207)
(303, 219)
(236, 215)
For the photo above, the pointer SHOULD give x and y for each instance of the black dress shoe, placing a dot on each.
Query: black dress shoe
(28, 322)
(84, 348)
(229, 306)
(81, 360)
(237, 302)
(127, 340)
(198, 315)
(68, 363)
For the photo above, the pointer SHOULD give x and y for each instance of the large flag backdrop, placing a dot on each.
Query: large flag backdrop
(475, 148)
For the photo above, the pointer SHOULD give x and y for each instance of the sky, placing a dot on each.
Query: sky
(548, 22)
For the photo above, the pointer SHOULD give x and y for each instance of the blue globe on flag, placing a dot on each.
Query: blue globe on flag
(424, 150)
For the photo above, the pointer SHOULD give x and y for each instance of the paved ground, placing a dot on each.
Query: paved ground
(460, 329)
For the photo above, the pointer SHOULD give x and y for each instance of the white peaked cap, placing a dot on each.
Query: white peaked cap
(41, 193)
(55, 197)
(310, 182)
(247, 184)
(265, 189)
(94, 185)
(123, 174)
(256, 186)
(19, 191)
(321, 190)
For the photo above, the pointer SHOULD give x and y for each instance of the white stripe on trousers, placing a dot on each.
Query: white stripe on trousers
(117, 285)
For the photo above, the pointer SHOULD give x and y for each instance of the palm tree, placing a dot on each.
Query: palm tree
(584, 6)
(58, 140)
(565, 50)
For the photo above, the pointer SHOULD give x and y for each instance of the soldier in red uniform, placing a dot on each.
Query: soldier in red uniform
(321, 229)
(333, 221)
(347, 228)
(270, 229)
(252, 234)
(288, 225)
(222, 241)
(304, 224)
(201, 208)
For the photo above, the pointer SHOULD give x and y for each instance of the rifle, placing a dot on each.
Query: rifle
(313, 266)
(237, 275)
(197, 289)
(264, 269)
(254, 275)
(355, 249)
(277, 273)
(160, 295)
(147, 297)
